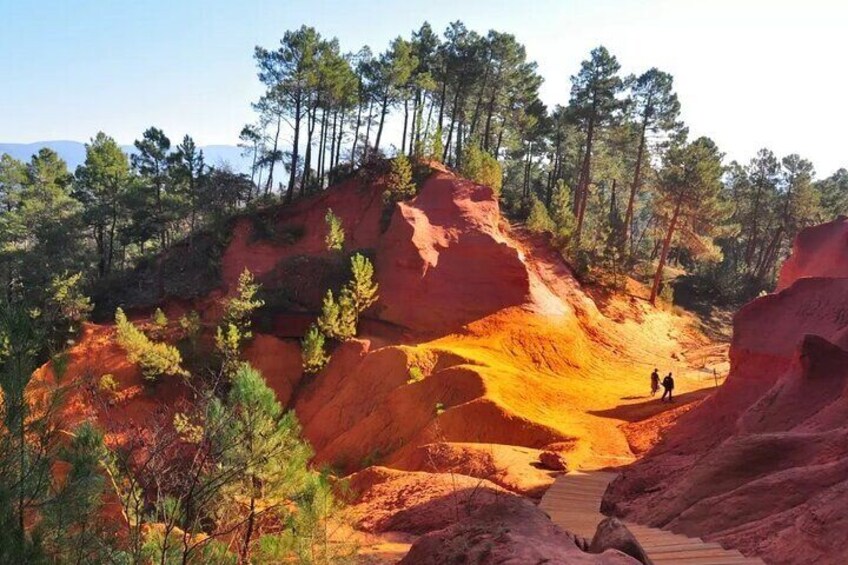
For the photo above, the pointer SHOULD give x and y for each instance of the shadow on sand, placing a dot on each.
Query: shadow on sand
(651, 407)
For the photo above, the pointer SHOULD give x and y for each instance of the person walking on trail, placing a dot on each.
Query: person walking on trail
(655, 382)
(668, 386)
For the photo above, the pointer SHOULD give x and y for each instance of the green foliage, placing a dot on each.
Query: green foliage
(234, 330)
(160, 320)
(335, 238)
(42, 519)
(416, 375)
(239, 308)
(435, 146)
(312, 351)
(338, 317)
(481, 167)
(399, 183)
(263, 445)
(73, 530)
(69, 306)
(539, 220)
(361, 289)
(107, 384)
(191, 324)
(155, 359)
(439, 409)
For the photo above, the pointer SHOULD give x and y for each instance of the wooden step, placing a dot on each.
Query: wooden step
(574, 503)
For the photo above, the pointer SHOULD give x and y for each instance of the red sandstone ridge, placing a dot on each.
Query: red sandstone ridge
(763, 465)
(449, 233)
(820, 251)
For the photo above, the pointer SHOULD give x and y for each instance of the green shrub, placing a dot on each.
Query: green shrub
(667, 294)
(60, 364)
(340, 317)
(435, 145)
(539, 220)
(107, 384)
(399, 180)
(239, 308)
(160, 320)
(155, 359)
(416, 375)
(190, 324)
(439, 409)
(481, 167)
(335, 238)
(312, 351)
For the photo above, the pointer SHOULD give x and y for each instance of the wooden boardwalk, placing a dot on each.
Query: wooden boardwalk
(574, 500)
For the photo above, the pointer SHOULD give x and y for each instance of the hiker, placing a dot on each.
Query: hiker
(655, 382)
(668, 385)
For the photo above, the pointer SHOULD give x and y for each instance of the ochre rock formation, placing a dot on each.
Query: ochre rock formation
(763, 465)
(482, 352)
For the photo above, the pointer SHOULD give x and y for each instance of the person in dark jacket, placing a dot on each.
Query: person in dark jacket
(668, 387)
(655, 382)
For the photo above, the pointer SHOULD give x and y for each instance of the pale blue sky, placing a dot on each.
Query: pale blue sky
(750, 73)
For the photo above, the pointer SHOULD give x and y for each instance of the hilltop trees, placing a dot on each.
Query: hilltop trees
(688, 191)
(152, 162)
(101, 185)
(594, 92)
(655, 110)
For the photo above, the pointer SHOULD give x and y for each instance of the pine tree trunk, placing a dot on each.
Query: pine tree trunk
(295, 146)
(634, 188)
(582, 194)
(356, 132)
(274, 151)
(405, 125)
(311, 120)
(655, 288)
(383, 111)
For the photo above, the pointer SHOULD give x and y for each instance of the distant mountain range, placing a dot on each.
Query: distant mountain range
(73, 152)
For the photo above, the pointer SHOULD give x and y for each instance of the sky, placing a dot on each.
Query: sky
(749, 73)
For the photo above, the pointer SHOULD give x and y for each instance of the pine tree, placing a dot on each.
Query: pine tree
(335, 238)
(261, 445)
(399, 180)
(689, 186)
(155, 359)
(312, 351)
(361, 289)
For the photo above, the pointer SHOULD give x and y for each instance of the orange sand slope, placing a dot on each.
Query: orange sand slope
(512, 351)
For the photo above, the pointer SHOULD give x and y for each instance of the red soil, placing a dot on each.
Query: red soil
(762, 465)
(482, 350)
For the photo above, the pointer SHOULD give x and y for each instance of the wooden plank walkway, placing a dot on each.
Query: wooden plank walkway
(574, 501)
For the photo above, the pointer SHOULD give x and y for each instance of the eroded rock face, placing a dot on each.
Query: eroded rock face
(448, 233)
(512, 531)
(763, 465)
(820, 251)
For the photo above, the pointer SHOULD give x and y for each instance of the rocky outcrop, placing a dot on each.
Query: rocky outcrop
(450, 232)
(612, 534)
(762, 465)
(820, 251)
(512, 531)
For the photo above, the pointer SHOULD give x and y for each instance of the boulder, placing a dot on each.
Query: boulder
(553, 461)
(613, 534)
